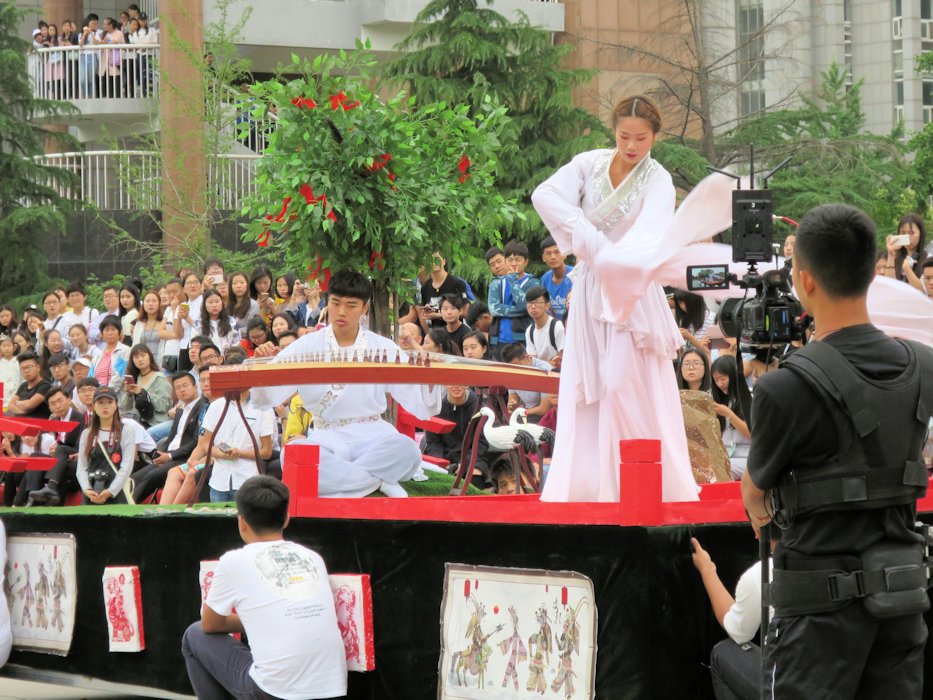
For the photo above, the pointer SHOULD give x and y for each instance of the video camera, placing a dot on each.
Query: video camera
(773, 315)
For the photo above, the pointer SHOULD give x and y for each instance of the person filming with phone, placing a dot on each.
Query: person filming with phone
(835, 462)
(907, 252)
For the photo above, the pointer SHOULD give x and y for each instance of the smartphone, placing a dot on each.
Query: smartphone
(902, 239)
(185, 305)
(223, 446)
(217, 279)
(263, 296)
(128, 378)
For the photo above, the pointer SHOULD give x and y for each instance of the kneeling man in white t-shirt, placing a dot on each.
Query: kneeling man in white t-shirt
(278, 594)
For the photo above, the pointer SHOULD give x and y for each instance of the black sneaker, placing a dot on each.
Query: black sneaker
(47, 496)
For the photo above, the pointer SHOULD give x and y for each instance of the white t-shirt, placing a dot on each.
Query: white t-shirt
(538, 340)
(281, 593)
(229, 474)
(193, 324)
(744, 617)
(172, 344)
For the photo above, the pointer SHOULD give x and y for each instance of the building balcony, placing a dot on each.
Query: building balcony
(112, 89)
(132, 180)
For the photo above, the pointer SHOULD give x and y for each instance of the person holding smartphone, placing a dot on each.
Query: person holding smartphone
(907, 251)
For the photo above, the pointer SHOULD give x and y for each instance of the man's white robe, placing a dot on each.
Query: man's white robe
(359, 450)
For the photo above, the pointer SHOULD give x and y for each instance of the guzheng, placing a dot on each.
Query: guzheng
(380, 367)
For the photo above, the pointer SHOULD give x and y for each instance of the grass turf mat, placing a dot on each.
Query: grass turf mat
(436, 485)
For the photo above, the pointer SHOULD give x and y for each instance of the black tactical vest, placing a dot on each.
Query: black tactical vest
(881, 427)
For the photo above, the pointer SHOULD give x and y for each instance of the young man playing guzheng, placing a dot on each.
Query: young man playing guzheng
(360, 452)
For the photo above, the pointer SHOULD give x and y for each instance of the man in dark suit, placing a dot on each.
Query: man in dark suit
(61, 478)
(181, 439)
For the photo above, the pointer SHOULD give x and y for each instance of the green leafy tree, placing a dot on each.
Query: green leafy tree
(30, 203)
(378, 185)
(921, 143)
(461, 53)
(833, 159)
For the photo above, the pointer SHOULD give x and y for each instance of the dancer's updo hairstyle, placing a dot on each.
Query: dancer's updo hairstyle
(638, 106)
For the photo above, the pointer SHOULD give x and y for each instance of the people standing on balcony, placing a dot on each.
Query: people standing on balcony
(70, 37)
(111, 61)
(130, 60)
(55, 65)
(87, 65)
(146, 36)
(125, 24)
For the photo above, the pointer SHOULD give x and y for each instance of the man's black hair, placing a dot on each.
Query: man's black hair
(204, 368)
(175, 280)
(493, 252)
(234, 360)
(548, 242)
(288, 334)
(836, 243)
(537, 292)
(75, 287)
(202, 340)
(512, 351)
(516, 248)
(88, 381)
(350, 283)
(181, 375)
(455, 300)
(476, 310)
(235, 350)
(262, 501)
(208, 346)
(58, 358)
(26, 357)
(927, 263)
(56, 390)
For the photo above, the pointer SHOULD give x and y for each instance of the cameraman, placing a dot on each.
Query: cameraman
(841, 477)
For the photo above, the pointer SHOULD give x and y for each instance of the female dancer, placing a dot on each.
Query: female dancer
(616, 380)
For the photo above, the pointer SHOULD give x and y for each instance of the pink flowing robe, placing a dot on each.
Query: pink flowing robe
(617, 381)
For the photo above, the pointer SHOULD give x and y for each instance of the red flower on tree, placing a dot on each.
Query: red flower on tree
(304, 103)
(340, 100)
(463, 166)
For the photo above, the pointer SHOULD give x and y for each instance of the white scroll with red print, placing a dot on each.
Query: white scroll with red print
(40, 585)
(353, 600)
(123, 603)
(516, 634)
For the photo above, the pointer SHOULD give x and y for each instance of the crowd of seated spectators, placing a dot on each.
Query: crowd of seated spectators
(151, 348)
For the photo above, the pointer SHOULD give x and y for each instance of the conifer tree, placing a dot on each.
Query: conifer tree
(29, 191)
(461, 53)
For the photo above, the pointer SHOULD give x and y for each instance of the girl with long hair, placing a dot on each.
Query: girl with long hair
(735, 433)
(905, 262)
(148, 324)
(476, 346)
(241, 307)
(145, 394)
(693, 371)
(8, 322)
(260, 289)
(216, 323)
(129, 309)
(106, 452)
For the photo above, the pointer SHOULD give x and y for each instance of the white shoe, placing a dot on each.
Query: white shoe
(393, 490)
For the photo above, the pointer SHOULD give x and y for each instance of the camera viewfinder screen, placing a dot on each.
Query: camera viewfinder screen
(700, 277)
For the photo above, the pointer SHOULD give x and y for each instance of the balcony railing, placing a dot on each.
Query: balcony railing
(104, 72)
(125, 180)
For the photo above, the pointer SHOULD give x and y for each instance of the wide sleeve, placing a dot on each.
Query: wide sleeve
(558, 202)
(421, 401)
(628, 267)
(82, 462)
(272, 396)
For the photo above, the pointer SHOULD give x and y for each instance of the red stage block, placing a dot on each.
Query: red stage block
(640, 451)
(640, 482)
(300, 474)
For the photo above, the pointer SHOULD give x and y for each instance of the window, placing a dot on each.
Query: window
(751, 102)
(750, 40)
